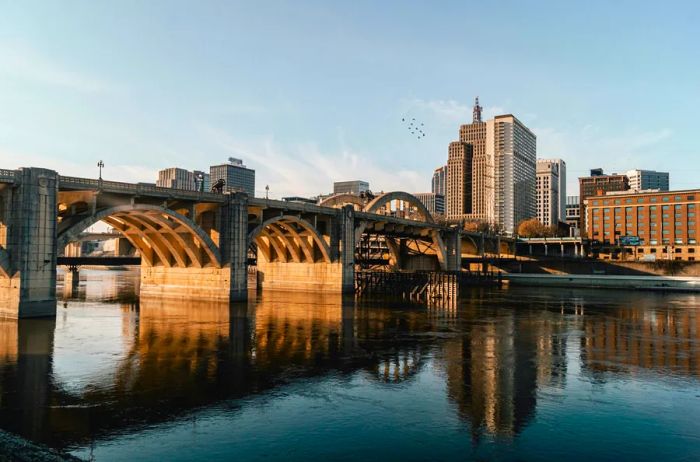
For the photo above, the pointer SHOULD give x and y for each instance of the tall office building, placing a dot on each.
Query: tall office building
(350, 187)
(598, 183)
(641, 180)
(176, 178)
(491, 172)
(439, 185)
(435, 203)
(481, 175)
(515, 157)
(459, 180)
(237, 176)
(551, 191)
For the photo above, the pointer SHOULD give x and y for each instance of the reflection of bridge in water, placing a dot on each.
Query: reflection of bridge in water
(180, 357)
(196, 244)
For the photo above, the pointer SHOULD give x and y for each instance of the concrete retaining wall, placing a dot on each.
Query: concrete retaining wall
(311, 277)
(610, 282)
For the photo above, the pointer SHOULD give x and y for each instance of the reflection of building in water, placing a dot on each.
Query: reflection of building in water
(388, 332)
(642, 336)
(493, 372)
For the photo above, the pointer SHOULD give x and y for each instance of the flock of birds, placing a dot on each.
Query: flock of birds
(413, 126)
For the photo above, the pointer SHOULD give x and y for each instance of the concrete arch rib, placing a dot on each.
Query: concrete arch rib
(137, 238)
(303, 243)
(194, 258)
(305, 225)
(167, 250)
(74, 227)
(275, 244)
(289, 244)
(386, 198)
(339, 200)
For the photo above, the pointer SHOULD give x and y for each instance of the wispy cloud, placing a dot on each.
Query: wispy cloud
(305, 169)
(25, 63)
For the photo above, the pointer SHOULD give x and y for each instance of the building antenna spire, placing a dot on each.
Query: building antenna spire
(477, 111)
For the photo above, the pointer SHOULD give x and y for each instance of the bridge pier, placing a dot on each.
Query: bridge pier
(227, 282)
(453, 250)
(28, 245)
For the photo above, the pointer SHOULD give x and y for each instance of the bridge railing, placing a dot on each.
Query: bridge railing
(8, 175)
(137, 188)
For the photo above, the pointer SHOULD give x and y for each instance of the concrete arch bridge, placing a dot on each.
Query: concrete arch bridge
(195, 244)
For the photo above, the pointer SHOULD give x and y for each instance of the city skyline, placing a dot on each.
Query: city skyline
(135, 105)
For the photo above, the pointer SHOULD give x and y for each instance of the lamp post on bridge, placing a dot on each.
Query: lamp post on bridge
(100, 164)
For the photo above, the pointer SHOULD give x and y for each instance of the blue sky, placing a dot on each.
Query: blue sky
(313, 92)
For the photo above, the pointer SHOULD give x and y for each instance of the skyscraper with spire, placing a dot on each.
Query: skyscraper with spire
(491, 172)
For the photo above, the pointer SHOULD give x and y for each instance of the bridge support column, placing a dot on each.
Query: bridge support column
(453, 250)
(71, 282)
(234, 244)
(28, 261)
(228, 282)
(347, 251)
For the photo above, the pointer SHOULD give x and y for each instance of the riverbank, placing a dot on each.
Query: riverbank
(663, 283)
(17, 449)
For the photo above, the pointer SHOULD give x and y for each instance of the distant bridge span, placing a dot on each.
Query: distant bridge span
(196, 244)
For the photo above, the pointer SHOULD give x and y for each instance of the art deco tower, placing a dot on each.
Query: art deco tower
(495, 161)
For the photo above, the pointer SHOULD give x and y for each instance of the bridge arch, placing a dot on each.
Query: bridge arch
(162, 236)
(339, 200)
(386, 198)
(289, 238)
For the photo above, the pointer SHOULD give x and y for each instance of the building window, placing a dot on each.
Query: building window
(666, 199)
(653, 199)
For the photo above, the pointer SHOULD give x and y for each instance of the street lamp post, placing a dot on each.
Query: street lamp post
(267, 190)
(100, 164)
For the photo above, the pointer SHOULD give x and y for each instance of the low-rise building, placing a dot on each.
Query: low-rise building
(648, 179)
(658, 223)
(573, 215)
(176, 178)
(598, 182)
(350, 187)
(237, 177)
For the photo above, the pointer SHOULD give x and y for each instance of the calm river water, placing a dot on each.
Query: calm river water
(526, 374)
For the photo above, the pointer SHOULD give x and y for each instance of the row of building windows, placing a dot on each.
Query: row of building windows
(641, 200)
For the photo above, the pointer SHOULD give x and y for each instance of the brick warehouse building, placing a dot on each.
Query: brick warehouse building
(665, 223)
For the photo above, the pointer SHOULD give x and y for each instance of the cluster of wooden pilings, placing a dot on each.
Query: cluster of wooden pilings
(436, 287)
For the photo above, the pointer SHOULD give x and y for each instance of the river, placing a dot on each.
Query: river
(507, 374)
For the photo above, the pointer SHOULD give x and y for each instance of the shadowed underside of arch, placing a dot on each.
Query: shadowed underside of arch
(386, 199)
(163, 237)
(289, 239)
